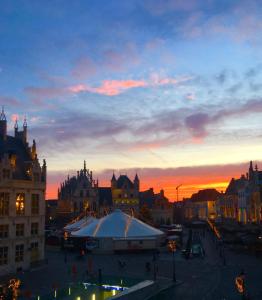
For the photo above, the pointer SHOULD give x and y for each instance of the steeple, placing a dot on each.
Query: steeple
(3, 124)
(25, 130)
(136, 182)
(251, 171)
(84, 167)
(16, 126)
(113, 181)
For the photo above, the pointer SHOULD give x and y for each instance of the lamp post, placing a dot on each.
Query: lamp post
(172, 247)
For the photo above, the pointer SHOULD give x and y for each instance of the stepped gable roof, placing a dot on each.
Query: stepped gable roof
(235, 185)
(12, 145)
(105, 196)
(205, 195)
(123, 181)
(118, 225)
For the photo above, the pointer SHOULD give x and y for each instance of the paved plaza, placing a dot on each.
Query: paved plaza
(198, 278)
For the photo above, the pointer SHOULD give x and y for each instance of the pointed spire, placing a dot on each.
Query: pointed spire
(25, 122)
(2, 115)
(256, 168)
(84, 167)
(251, 165)
(113, 177)
(136, 178)
(16, 124)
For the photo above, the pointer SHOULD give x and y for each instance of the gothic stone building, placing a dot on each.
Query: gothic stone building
(22, 201)
(78, 194)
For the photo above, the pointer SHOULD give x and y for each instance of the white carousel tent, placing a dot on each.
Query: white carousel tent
(79, 224)
(119, 231)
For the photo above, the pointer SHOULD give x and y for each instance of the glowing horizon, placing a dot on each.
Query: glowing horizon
(136, 85)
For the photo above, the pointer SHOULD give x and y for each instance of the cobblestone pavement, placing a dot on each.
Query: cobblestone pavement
(199, 278)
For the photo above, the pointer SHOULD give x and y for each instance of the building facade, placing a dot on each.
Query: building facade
(125, 193)
(22, 201)
(78, 194)
(157, 206)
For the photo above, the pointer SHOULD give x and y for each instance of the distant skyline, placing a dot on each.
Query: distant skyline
(171, 89)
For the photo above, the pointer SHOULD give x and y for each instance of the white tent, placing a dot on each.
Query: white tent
(79, 224)
(117, 225)
(120, 232)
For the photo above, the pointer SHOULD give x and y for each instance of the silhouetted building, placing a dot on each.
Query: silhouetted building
(160, 209)
(78, 194)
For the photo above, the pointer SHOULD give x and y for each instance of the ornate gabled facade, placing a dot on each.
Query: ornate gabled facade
(78, 194)
(22, 201)
(125, 193)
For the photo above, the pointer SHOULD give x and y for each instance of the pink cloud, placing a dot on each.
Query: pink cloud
(107, 87)
(14, 117)
(84, 67)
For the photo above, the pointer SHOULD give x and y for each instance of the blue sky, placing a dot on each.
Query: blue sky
(134, 84)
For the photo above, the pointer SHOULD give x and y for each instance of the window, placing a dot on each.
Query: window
(35, 204)
(6, 174)
(34, 228)
(3, 255)
(34, 251)
(3, 231)
(19, 229)
(19, 253)
(36, 177)
(4, 204)
(20, 204)
(81, 194)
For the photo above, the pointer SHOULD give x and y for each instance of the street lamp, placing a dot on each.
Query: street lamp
(172, 247)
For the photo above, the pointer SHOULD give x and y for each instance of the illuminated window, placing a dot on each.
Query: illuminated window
(19, 253)
(20, 204)
(6, 174)
(4, 204)
(19, 229)
(3, 255)
(4, 231)
(35, 204)
(34, 251)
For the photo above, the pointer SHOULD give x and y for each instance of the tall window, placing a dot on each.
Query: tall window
(4, 204)
(35, 204)
(34, 251)
(19, 229)
(6, 174)
(19, 253)
(3, 255)
(36, 177)
(20, 204)
(34, 229)
(3, 231)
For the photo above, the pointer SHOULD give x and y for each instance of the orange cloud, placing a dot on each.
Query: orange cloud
(191, 178)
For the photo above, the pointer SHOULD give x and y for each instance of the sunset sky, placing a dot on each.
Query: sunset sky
(168, 89)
